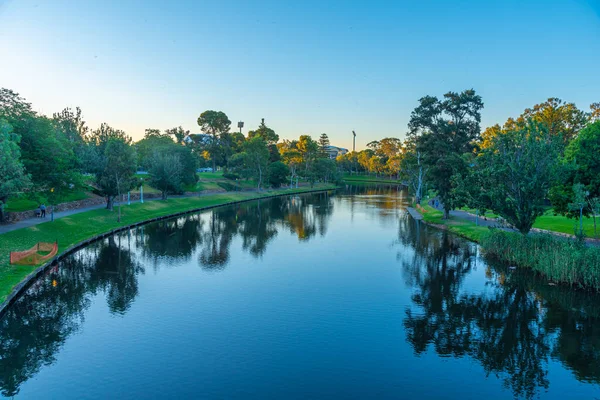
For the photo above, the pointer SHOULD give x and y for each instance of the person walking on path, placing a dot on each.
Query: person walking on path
(43, 209)
(38, 212)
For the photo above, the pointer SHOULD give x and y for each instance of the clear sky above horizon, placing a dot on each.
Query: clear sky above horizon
(306, 67)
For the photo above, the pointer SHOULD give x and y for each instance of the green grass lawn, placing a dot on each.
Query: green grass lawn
(459, 226)
(548, 221)
(25, 203)
(68, 231)
(559, 223)
(368, 178)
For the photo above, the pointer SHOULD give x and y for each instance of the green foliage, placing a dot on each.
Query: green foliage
(444, 130)
(178, 134)
(12, 173)
(558, 259)
(518, 170)
(116, 174)
(231, 176)
(581, 164)
(253, 161)
(278, 173)
(561, 119)
(266, 133)
(166, 173)
(215, 123)
(324, 145)
(309, 151)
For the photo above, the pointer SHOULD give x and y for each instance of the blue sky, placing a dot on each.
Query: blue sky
(306, 67)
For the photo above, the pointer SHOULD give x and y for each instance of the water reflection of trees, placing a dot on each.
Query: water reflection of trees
(512, 329)
(36, 326)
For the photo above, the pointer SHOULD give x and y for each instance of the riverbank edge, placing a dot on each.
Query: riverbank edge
(577, 284)
(24, 284)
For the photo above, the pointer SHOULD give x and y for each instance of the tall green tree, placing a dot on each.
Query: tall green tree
(309, 149)
(292, 157)
(324, 145)
(270, 137)
(12, 172)
(214, 123)
(116, 174)
(518, 170)
(253, 161)
(445, 131)
(581, 165)
(166, 173)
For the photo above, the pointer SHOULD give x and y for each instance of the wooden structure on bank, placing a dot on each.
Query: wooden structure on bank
(36, 255)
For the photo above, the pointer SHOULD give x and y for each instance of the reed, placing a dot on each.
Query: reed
(560, 260)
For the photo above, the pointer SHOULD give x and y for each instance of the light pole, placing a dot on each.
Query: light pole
(240, 125)
(353, 141)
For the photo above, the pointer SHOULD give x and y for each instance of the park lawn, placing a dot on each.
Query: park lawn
(24, 203)
(488, 214)
(147, 189)
(562, 224)
(210, 175)
(368, 178)
(456, 225)
(68, 231)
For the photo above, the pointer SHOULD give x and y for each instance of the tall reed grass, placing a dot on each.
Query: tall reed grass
(560, 260)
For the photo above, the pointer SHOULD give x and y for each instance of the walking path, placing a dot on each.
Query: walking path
(464, 215)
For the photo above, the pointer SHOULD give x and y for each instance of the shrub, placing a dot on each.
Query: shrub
(278, 173)
(231, 176)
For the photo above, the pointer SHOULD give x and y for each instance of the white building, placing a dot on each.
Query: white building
(202, 138)
(334, 151)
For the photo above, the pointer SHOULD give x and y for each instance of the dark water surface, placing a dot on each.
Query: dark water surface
(312, 296)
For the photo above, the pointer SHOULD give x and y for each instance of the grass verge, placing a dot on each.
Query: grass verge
(368, 178)
(73, 229)
(455, 225)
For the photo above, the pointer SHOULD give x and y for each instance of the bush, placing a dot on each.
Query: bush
(560, 260)
(231, 176)
(278, 173)
(230, 187)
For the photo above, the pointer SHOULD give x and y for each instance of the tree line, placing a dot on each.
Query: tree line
(44, 157)
(546, 156)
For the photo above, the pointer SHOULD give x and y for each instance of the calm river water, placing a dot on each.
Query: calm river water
(314, 296)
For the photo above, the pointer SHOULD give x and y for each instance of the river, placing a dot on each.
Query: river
(329, 295)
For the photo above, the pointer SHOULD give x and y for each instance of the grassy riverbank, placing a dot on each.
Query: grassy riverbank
(458, 226)
(73, 229)
(557, 259)
(370, 179)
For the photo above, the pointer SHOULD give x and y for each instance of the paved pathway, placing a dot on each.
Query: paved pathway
(495, 224)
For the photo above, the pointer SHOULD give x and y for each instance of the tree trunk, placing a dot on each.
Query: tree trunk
(109, 202)
(2, 203)
(446, 213)
(164, 195)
